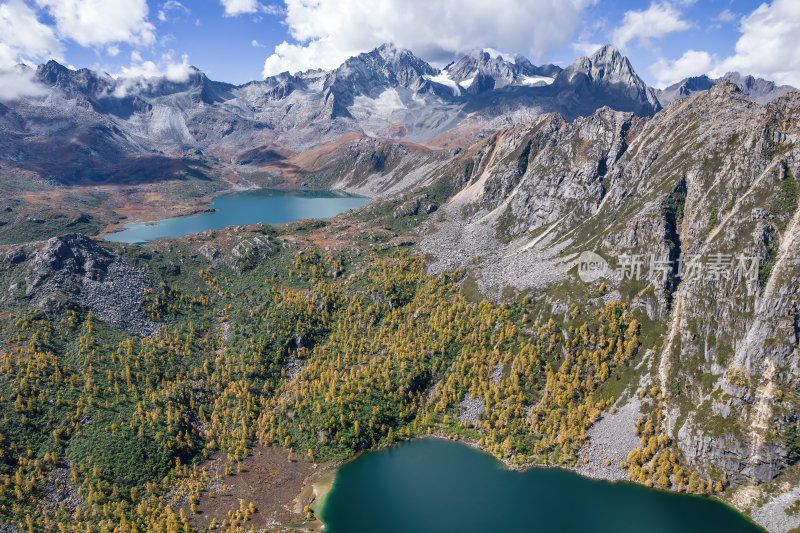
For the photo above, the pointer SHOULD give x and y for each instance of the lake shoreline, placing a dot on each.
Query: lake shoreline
(471, 443)
(275, 207)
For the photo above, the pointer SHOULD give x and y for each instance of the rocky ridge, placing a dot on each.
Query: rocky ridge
(110, 127)
(760, 90)
(74, 270)
(527, 201)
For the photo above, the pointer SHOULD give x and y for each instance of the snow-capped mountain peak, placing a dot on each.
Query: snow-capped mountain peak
(497, 54)
(387, 92)
(497, 69)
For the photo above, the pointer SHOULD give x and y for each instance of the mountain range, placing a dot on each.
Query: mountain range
(758, 89)
(91, 127)
(502, 175)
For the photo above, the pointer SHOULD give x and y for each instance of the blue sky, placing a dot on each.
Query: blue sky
(241, 40)
(220, 45)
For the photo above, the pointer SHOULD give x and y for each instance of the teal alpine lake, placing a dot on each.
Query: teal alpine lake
(263, 205)
(439, 486)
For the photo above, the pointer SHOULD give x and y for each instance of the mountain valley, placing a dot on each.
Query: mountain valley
(560, 266)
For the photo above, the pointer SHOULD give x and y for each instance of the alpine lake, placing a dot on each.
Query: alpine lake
(270, 206)
(441, 486)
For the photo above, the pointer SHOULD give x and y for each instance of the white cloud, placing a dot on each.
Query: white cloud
(177, 6)
(23, 37)
(329, 31)
(691, 63)
(769, 46)
(234, 8)
(658, 20)
(726, 15)
(19, 82)
(172, 5)
(140, 74)
(240, 7)
(493, 53)
(100, 22)
(254, 43)
(272, 9)
(173, 71)
(586, 49)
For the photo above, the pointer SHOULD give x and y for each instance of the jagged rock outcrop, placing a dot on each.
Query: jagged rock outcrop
(74, 270)
(606, 74)
(484, 70)
(760, 90)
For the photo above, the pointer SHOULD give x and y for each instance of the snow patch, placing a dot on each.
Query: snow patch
(466, 83)
(533, 80)
(444, 79)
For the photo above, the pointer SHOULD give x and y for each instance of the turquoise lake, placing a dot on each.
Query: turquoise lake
(264, 205)
(441, 486)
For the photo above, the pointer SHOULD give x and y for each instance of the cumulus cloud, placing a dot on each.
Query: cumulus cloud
(658, 20)
(140, 74)
(100, 22)
(19, 82)
(240, 7)
(326, 32)
(23, 38)
(173, 71)
(768, 46)
(691, 63)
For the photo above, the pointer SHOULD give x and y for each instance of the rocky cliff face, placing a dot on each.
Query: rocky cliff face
(702, 202)
(607, 73)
